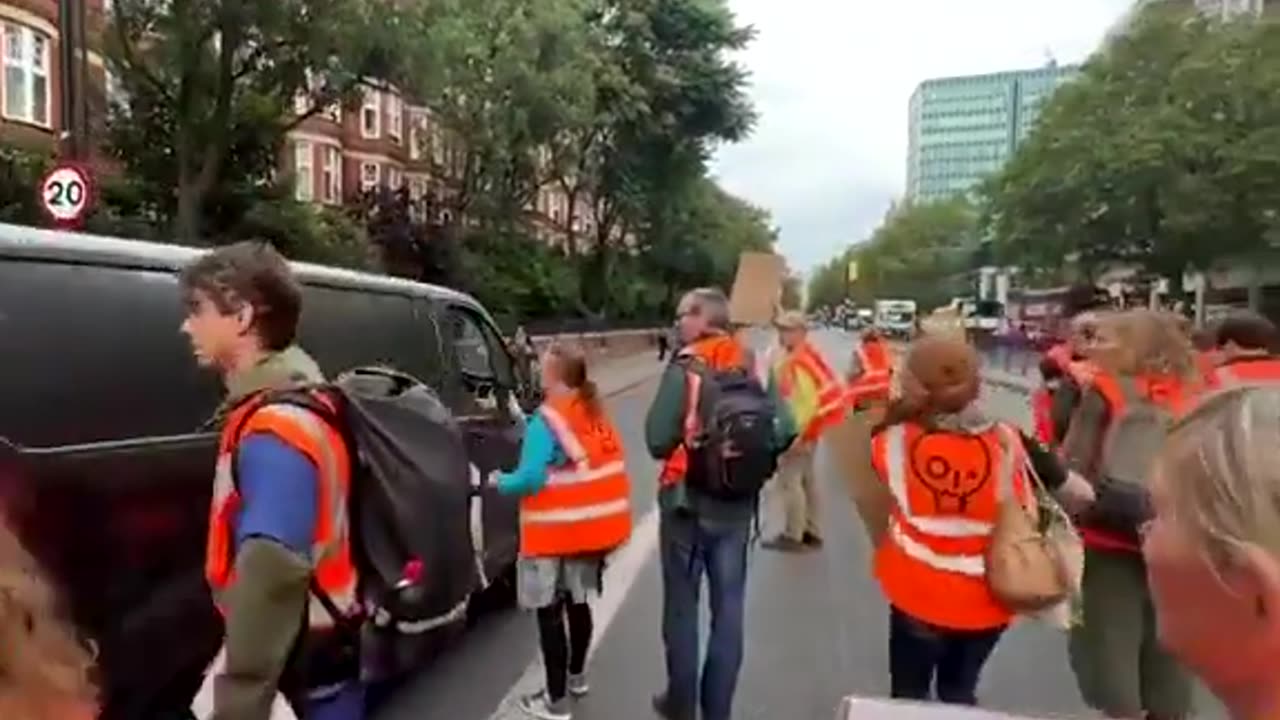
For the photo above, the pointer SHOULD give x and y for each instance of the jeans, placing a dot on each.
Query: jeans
(689, 548)
(920, 653)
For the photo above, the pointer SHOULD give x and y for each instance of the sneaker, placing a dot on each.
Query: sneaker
(538, 705)
(812, 540)
(782, 543)
(663, 706)
(577, 684)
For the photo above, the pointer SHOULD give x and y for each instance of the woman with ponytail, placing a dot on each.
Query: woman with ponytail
(575, 510)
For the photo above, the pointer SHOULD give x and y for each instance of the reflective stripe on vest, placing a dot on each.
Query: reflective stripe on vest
(585, 505)
(876, 378)
(676, 466)
(924, 537)
(831, 395)
(330, 551)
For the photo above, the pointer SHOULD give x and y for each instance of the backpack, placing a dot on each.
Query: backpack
(732, 456)
(409, 503)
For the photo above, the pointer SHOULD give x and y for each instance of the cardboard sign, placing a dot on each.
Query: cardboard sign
(757, 288)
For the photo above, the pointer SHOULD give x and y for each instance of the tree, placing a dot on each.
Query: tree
(505, 77)
(408, 243)
(1162, 154)
(213, 86)
(921, 251)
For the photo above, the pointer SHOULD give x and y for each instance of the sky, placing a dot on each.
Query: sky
(831, 80)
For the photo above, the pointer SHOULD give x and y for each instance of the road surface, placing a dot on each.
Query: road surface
(816, 623)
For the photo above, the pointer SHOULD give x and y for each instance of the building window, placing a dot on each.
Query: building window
(368, 176)
(415, 138)
(395, 115)
(304, 178)
(26, 75)
(331, 170)
(417, 188)
(371, 115)
(394, 178)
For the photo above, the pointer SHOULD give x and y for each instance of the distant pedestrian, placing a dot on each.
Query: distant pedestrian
(817, 400)
(575, 510)
(700, 534)
(664, 342)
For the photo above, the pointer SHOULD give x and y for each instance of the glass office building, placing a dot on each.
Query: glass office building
(962, 129)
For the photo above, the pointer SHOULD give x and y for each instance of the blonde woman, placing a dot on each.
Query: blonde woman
(44, 669)
(1213, 547)
(1144, 377)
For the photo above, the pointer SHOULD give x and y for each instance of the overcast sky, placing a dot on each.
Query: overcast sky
(831, 80)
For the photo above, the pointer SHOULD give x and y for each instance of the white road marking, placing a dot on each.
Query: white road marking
(619, 575)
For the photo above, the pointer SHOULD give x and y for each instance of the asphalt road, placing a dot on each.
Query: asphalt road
(816, 623)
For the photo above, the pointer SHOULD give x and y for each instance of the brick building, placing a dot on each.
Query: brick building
(31, 67)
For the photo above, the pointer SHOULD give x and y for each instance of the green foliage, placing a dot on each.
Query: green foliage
(211, 88)
(618, 103)
(922, 252)
(1164, 153)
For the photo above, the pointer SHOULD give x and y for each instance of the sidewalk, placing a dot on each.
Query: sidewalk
(617, 375)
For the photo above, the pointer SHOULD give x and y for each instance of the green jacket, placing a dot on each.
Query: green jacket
(664, 431)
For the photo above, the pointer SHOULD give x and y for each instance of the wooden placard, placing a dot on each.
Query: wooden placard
(757, 288)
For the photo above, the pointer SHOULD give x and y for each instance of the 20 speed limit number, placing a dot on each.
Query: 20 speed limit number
(65, 193)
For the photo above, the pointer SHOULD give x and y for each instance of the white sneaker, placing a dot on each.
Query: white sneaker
(577, 685)
(538, 705)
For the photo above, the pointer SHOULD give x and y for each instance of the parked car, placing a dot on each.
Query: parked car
(106, 452)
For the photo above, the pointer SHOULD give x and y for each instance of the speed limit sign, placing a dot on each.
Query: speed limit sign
(66, 193)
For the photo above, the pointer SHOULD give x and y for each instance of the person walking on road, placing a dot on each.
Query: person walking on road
(278, 552)
(575, 510)
(1146, 376)
(700, 534)
(948, 468)
(870, 372)
(1245, 345)
(1212, 548)
(816, 398)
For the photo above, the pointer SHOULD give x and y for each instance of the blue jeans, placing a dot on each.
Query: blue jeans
(689, 548)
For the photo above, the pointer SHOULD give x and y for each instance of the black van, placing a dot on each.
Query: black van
(106, 458)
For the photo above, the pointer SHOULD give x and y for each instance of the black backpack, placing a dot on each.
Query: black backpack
(733, 454)
(409, 507)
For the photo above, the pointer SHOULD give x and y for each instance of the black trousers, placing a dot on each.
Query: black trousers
(563, 653)
(922, 655)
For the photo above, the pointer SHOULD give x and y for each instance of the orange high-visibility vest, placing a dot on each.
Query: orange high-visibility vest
(1042, 416)
(720, 352)
(1253, 371)
(585, 507)
(877, 373)
(947, 489)
(831, 393)
(1121, 394)
(323, 445)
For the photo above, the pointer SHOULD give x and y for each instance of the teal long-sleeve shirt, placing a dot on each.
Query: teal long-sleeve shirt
(539, 452)
(664, 431)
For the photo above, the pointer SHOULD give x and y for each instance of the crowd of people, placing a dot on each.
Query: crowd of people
(1155, 440)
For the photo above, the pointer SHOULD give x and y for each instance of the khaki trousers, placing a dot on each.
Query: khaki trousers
(801, 501)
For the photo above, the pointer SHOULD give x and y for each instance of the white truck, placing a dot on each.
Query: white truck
(896, 318)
